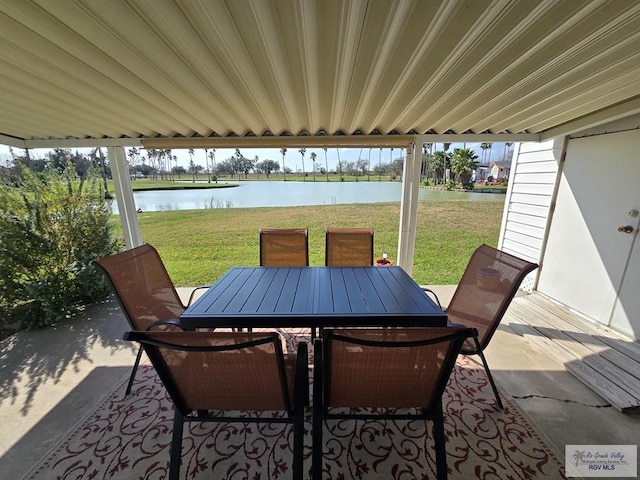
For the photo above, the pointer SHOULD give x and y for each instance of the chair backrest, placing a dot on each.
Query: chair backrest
(142, 286)
(220, 370)
(488, 285)
(346, 247)
(389, 368)
(284, 247)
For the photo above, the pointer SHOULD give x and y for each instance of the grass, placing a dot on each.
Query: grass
(198, 246)
(178, 184)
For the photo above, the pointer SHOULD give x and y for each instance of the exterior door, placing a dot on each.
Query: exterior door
(626, 312)
(589, 264)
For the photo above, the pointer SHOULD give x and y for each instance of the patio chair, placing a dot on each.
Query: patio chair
(489, 283)
(347, 247)
(284, 247)
(144, 291)
(208, 373)
(379, 371)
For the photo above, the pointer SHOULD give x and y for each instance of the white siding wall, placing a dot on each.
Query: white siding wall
(532, 184)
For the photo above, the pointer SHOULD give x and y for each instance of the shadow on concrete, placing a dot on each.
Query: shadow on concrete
(32, 359)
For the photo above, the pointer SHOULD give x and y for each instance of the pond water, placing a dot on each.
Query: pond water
(285, 194)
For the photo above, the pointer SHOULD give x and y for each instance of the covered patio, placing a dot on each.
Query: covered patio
(187, 74)
(53, 379)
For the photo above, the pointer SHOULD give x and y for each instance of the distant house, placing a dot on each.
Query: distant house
(482, 173)
(500, 169)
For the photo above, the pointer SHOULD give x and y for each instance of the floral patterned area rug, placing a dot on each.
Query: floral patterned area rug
(128, 437)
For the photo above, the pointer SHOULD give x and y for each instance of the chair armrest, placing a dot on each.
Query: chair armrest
(430, 292)
(193, 292)
(171, 321)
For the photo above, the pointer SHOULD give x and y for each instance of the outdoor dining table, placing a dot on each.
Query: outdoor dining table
(314, 297)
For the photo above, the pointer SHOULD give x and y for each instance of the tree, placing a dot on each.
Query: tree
(154, 161)
(485, 147)
(361, 166)
(396, 167)
(424, 169)
(380, 169)
(464, 164)
(507, 147)
(283, 151)
(313, 164)
(212, 156)
(192, 164)
(178, 170)
(192, 170)
(304, 175)
(445, 147)
(268, 166)
(206, 162)
(50, 231)
(439, 163)
(326, 162)
(100, 162)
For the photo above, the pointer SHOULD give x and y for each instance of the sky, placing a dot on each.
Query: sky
(293, 159)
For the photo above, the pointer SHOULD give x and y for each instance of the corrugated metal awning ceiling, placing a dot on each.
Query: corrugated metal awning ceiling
(198, 72)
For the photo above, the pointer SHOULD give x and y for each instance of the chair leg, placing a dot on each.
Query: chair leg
(298, 442)
(441, 451)
(176, 446)
(133, 371)
(489, 376)
(318, 421)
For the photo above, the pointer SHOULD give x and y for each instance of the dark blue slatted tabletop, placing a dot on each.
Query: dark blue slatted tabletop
(313, 297)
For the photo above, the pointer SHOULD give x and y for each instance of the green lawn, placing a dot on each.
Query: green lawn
(198, 246)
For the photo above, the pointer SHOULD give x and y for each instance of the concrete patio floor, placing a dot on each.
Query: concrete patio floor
(51, 379)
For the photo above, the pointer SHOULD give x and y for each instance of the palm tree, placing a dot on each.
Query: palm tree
(313, 164)
(340, 165)
(463, 164)
(326, 163)
(439, 160)
(302, 152)
(192, 164)
(212, 156)
(206, 162)
(97, 156)
(445, 147)
(380, 165)
(507, 146)
(283, 151)
(484, 147)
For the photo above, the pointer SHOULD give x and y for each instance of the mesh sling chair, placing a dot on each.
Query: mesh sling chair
(489, 283)
(144, 291)
(346, 247)
(284, 247)
(207, 373)
(384, 369)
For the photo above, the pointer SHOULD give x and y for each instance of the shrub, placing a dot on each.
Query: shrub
(51, 227)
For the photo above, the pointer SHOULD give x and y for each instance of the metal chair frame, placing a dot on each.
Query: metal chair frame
(154, 342)
(486, 324)
(429, 410)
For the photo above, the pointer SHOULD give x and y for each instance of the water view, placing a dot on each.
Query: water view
(285, 194)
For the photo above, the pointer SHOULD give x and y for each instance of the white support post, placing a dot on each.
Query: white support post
(124, 196)
(409, 207)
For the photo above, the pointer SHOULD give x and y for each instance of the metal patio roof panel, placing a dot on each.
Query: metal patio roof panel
(153, 69)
